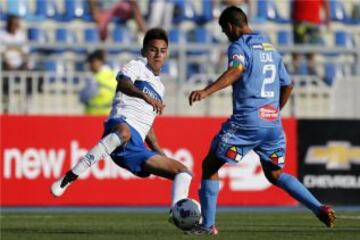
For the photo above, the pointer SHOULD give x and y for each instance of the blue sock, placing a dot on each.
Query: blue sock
(298, 191)
(208, 195)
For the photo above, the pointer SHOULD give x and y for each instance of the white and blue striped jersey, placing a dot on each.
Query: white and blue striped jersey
(135, 111)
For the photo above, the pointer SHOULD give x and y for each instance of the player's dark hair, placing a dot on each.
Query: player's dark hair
(155, 33)
(96, 55)
(233, 15)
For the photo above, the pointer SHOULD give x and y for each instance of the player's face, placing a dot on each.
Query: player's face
(156, 53)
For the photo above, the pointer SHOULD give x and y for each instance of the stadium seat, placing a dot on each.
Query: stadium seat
(121, 34)
(303, 69)
(344, 39)
(267, 10)
(19, 8)
(66, 36)
(50, 65)
(79, 66)
(175, 34)
(45, 9)
(76, 9)
(199, 35)
(183, 10)
(330, 70)
(37, 35)
(284, 38)
(338, 13)
(91, 35)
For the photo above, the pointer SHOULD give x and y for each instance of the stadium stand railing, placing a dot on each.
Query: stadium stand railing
(55, 89)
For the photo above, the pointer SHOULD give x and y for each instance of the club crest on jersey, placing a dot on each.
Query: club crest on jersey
(277, 158)
(233, 153)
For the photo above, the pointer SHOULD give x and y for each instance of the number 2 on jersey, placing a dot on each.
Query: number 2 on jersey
(269, 70)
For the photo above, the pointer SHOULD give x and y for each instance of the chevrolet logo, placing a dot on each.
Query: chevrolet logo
(336, 155)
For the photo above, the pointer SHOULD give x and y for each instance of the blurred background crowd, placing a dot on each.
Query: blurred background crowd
(61, 57)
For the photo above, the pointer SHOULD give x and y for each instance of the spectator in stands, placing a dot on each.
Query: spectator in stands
(306, 17)
(13, 45)
(99, 91)
(104, 11)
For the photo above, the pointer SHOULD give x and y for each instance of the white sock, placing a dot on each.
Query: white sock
(180, 187)
(103, 148)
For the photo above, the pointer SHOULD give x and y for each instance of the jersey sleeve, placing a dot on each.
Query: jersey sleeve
(128, 71)
(283, 75)
(236, 57)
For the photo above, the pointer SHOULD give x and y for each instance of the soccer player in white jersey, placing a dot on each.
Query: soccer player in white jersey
(138, 99)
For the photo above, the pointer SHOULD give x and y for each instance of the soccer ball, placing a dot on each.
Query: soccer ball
(186, 213)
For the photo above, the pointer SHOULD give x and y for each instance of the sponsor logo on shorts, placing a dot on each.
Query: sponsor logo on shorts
(268, 113)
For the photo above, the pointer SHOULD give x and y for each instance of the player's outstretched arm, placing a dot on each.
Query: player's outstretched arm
(127, 87)
(152, 142)
(285, 92)
(225, 80)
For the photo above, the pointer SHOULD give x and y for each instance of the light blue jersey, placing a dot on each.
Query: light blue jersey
(256, 93)
(255, 123)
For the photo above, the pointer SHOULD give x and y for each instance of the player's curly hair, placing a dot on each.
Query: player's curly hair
(155, 33)
(233, 15)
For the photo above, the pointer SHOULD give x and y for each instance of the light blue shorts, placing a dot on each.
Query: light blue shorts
(233, 142)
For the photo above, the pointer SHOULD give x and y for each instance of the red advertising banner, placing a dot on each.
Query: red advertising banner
(36, 150)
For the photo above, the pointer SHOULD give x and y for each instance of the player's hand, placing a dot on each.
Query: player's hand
(197, 96)
(157, 105)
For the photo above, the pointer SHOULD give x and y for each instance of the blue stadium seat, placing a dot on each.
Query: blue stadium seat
(330, 70)
(183, 10)
(79, 66)
(338, 13)
(199, 35)
(175, 34)
(50, 65)
(192, 68)
(64, 35)
(19, 7)
(91, 35)
(284, 38)
(37, 35)
(267, 10)
(344, 39)
(46, 9)
(76, 9)
(207, 12)
(303, 68)
(121, 35)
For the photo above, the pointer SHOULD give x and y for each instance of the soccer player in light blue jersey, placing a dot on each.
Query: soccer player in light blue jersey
(261, 88)
(138, 100)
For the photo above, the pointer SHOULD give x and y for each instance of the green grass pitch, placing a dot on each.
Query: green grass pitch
(128, 226)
